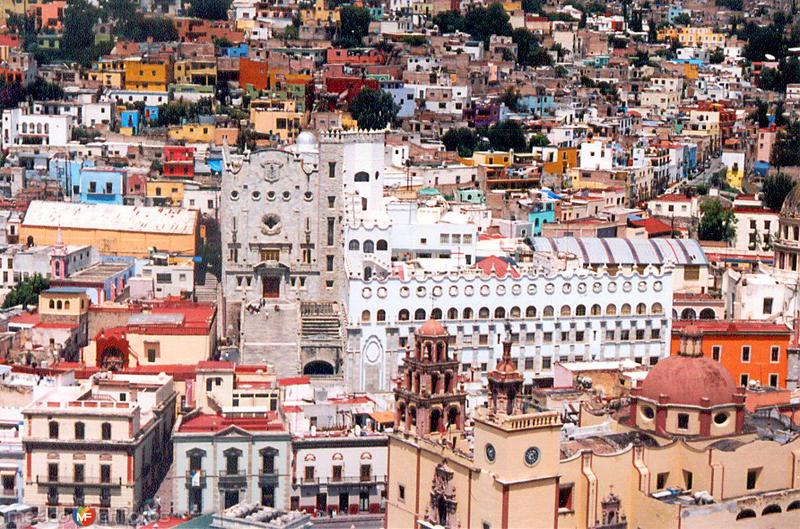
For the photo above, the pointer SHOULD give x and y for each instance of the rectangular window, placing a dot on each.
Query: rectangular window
(547, 362)
(767, 308)
(744, 378)
(151, 354)
(105, 473)
(331, 169)
(79, 475)
(655, 334)
(331, 227)
(329, 264)
(745, 353)
(640, 334)
(716, 352)
(331, 202)
(528, 364)
(752, 478)
(688, 479)
(773, 380)
(309, 474)
(691, 273)
(337, 473)
(565, 496)
(775, 354)
(683, 421)
(52, 472)
(401, 492)
(163, 279)
(661, 480)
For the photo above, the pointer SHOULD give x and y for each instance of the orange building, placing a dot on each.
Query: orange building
(749, 350)
(253, 73)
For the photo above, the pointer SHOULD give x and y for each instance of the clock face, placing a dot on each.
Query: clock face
(490, 452)
(532, 456)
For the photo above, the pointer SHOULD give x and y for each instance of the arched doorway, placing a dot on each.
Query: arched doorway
(318, 367)
(688, 314)
(453, 415)
(436, 419)
(707, 314)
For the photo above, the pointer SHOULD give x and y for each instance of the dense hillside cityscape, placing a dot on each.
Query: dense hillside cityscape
(399, 264)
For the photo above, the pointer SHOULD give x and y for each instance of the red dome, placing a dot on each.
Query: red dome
(689, 379)
(432, 328)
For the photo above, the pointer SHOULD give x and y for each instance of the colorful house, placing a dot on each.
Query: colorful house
(178, 161)
(130, 122)
(253, 73)
(151, 75)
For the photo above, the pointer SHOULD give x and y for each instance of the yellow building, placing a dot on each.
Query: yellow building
(492, 158)
(319, 13)
(167, 192)
(197, 71)
(681, 455)
(17, 7)
(147, 76)
(277, 118)
(693, 37)
(107, 72)
(113, 229)
(192, 132)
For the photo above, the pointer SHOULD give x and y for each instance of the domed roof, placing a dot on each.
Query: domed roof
(306, 141)
(791, 205)
(431, 328)
(689, 379)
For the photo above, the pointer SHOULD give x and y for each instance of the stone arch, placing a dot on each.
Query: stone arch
(548, 311)
(596, 310)
(688, 314)
(771, 509)
(369, 246)
(419, 314)
(483, 313)
(566, 310)
(436, 314)
(382, 245)
(708, 314)
(611, 310)
(530, 312)
(580, 310)
(747, 513)
(641, 309)
(318, 367)
(626, 309)
(657, 309)
(436, 419)
(468, 313)
(354, 245)
(381, 315)
(515, 312)
(793, 506)
(452, 313)
(499, 313)
(365, 316)
(402, 315)
(454, 415)
(361, 176)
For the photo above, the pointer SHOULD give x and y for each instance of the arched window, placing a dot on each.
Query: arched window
(354, 245)
(468, 313)
(365, 316)
(369, 246)
(688, 314)
(402, 315)
(641, 309)
(566, 310)
(436, 314)
(59, 305)
(52, 304)
(626, 309)
(452, 314)
(419, 314)
(793, 506)
(657, 309)
(516, 312)
(382, 245)
(611, 310)
(361, 176)
(580, 310)
(596, 310)
(483, 313)
(771, 509)
(548, 311)
(499, 313)
(66, 305)
(747, 513)
(530, 312)
(381, 315)
(707, 314)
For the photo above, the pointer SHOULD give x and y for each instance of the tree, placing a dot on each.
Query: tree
(652, 31)
(532, 6)
(718, 223)
(761, 114)
(374, 109)
(210, 9)
(684, 19)
(717, 56)
(529, 52)
(483, 22)
(79, 18)
(461, 139)
(775, 190)
(507, 135)
(539, 140)
(780, 116)
(448, 22)
(353, 25)
(510, 98)
(26, 292)
(786, 151)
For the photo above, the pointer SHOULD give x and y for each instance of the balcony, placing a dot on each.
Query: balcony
(233, 479)
(87, 482)
(195, 479)
(268, 478)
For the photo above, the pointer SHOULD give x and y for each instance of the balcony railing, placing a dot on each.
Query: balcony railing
(267, 478)
(56, 481)
(236, 479)
(195, 478)
(342, 480)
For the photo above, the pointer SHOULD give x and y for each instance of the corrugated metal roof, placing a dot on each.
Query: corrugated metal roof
(71, 215)
(619, 251)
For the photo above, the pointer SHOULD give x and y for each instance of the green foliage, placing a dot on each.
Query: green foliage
(510, 98)
(539, 140)
(448, 22)
(507, 135)
(529, 52)
(762, 40)
(733, 5)
(717, 223)
(79, 18)
(641, 59)
(374, 109)
(176, 112)
(353, 25)
(684, 19)
(786, 151)
(483, 22)
(41, 90)
(761, 114)
(788, 72)
(532, 6)
(717, 56)
(775, 190)
(461, 139)
(210, 9)
(84, 134)
(701, 189)
(141, 28)
(26, 292)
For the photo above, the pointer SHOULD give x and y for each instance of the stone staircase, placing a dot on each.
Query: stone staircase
(320, 321)
(207, 291)
(272, 336)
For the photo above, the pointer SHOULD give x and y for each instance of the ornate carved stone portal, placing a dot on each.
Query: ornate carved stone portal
(442, 508)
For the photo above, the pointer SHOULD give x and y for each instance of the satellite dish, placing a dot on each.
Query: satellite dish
(769, 57)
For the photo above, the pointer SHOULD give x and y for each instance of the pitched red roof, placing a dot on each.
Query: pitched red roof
(732, 327)
(652, 226)
(206, 423)
(294, 381)
(493, 265)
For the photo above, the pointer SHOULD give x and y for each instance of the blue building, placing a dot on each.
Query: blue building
(540, 104)
(96, 185)
(238, 51)
(151, 114)
(543, 210)
(130, 119)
